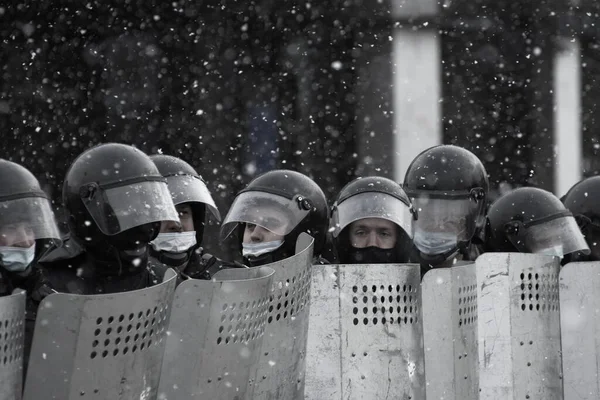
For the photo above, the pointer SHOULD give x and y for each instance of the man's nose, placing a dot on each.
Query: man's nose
(372, 239)
(258, 234)
(24, 238)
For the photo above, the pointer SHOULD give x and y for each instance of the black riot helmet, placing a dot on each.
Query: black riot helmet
(372, 197)
(116, 199)
(448, 186)
(583, 200)
(532, 220)
(25, 211)
(186, 187)
(285, 203)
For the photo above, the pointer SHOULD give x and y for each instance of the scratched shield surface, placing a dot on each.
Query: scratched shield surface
(449, 298)
(366, 325)
(100, 346)
(215, 335)
(580, 329)
(281, 368)
(519, 326)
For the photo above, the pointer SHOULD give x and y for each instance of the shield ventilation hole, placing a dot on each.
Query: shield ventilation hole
(385, 304)
(538, 292)
(467, 305)
(119, 335)
(289, 298)
(11, 345)
(242, 322)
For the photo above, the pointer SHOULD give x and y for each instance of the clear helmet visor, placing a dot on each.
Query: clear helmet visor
(455, 217)
(119, 208)
(25, 219)
(191, 189)
(275, 213)
(372, 205)
(556, 237)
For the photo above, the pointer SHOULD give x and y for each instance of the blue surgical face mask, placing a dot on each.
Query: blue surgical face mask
(16, 259)
(434, 243)
(174, 242)
(553, 251)
(260, 248)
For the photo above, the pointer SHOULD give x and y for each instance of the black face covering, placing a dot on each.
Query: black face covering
(371, 255)
(124, 253)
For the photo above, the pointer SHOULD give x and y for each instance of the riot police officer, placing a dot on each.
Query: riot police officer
(27, 226)
(372, 222)
(116, 200)
(27, 230)
(178, 245)
(532, 220)
(270, 213)
(583, 201)
(448, 186)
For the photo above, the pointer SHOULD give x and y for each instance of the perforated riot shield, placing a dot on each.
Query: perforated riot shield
(281, 367)
(449, 297)
(580, 329)
(365, 334)
(519, 326)
(100, 346)
(215, 336)
(12, 331)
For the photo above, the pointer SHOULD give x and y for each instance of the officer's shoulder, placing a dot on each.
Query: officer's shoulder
(156, 270)
(69, 249)
(62, 267)
(156, 265)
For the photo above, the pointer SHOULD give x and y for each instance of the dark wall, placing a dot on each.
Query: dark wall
(233, 88)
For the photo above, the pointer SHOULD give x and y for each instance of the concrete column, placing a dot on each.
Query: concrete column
(567, 115)
(417, 94)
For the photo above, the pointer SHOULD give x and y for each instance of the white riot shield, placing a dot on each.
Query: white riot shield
(580, 329)
(365, 335)
(12, 332)
(100, 346)
(519, 326)
(281, 367)
(215, 335)
(449, 298)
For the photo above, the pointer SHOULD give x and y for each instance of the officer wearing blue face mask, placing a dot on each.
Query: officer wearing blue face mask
(178, 245)
(448, 186)
(27, 230)
(267, 217)
(27, 224)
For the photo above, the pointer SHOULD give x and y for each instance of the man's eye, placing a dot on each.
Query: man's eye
(359, 233)
(251, 226)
